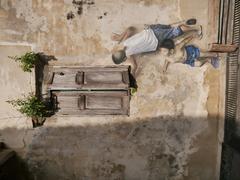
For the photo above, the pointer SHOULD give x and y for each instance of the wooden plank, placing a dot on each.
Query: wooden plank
(92, 112)
(92, 86)
(79, 93)
(222, 47)
(87, 68)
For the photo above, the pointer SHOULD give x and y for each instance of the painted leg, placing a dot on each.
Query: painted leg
(185, 28)
(206, 53)
(213, 60)
(202, 60)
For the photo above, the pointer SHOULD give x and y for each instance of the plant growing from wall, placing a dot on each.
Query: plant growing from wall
(27, 61)
(30, 106)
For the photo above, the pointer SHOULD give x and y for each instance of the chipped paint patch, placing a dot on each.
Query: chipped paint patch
(24, 9)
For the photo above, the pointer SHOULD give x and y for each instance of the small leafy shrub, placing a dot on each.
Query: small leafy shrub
(31, 106)
(27, 61)
(133, 90)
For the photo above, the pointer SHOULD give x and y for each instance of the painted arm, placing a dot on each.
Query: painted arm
(130, 31)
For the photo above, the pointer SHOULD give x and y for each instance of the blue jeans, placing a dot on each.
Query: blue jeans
(192, 54)
(163, 32)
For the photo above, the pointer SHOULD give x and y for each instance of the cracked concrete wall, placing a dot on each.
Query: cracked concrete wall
(172, 131)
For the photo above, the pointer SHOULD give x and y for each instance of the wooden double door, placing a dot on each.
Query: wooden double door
(90, 90)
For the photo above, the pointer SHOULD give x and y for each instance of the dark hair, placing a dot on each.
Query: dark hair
(168, 44)
(119, 57)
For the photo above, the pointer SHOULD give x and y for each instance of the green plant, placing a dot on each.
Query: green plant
(27, 61)
(30, 105)
(133, 90)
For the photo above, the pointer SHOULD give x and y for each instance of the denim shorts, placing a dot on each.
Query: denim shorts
(192, 54)
(163, 32)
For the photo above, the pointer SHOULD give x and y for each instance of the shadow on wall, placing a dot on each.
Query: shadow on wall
(15, 169)
(146, 149)
(39, 72)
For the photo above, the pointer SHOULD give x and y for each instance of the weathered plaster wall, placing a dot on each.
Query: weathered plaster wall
(173, 128)
(45, 24)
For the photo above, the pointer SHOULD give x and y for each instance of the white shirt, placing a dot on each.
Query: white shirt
(144, 41)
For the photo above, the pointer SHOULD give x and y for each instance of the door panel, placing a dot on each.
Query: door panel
(92, 103)
(67, 80)
(104, 80)
(89, 78)
(64, 78)
(103, 102)
(68, 101)
(104, 77)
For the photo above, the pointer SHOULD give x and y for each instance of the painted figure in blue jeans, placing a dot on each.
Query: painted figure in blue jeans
(150, 39)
